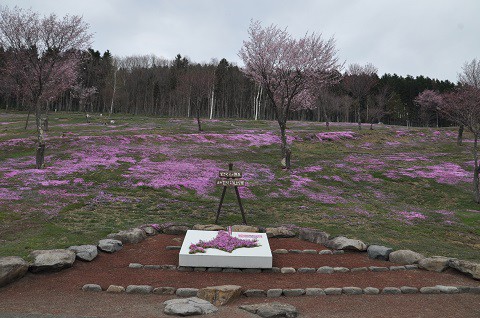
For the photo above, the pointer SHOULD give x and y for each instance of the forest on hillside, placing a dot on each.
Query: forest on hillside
(151, 85)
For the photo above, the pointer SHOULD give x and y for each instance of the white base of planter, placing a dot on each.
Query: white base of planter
(251, 257)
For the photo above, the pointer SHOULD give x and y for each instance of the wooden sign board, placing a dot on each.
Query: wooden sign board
(231, 183)
(229, 174)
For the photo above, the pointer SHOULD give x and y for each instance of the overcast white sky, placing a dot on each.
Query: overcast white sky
(407, 37)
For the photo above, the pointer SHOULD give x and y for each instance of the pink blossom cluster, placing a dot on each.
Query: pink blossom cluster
(223, 241)
(335, 135)
(446, 173)
(410, 216)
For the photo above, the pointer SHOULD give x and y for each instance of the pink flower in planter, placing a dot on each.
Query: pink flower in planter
(223, 241)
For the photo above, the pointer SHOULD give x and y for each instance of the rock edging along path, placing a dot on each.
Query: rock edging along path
(294, 292)
(115, 241)
(283, 270)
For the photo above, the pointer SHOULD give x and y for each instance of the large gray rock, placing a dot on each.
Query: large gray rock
(434, 263)
(131, 236)
(85, 252)
(467, 267)
(188, 307)
(279, 232)
(208, 227)
(343, 243)
(110, 245)
(176, 230)
(405, 257)
(271, 310)
(220, 295)
(51, 260)
(379, 252)
(314, 236)
(11, 269)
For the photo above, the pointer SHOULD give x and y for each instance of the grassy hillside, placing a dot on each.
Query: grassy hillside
(405, 188)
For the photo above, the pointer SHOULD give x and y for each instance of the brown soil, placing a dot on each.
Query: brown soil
(60, 293)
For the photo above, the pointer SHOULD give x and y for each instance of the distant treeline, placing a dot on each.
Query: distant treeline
(149, 85)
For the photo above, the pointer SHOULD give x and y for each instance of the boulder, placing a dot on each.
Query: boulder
(343, 243)
(371, 291)
(314, 292)
(352, 290)
(186, 292)
(85, 252)
(110, 245)
(244, 228)
(325, 270)
(150, 230)
(333, 291)
(220, 295)
(314, 236)
(139, 289)
(405, 257)
(176, 229)
(11, 269)
(467, 267)
(279, 232)
(294, 292)
(164, 291)
(255, 293)
(287, 270)
(274, 292)
(131, 236)
(379, 252)
(391, 291)
(115, 289)
(188, 307)
(434, 263)
(51, 260)
(271, 310)
(208, 227)
(92, 287)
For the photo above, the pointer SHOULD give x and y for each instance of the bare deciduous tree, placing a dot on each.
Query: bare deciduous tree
(358, 81)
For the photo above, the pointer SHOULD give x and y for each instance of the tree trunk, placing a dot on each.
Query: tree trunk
(40, 153)
(28, 118)
(476, 171)
(212, 102)
(198, 118)
(286, 152)
(460, 135)
(327, 120)
(114, 90)
(359, 118)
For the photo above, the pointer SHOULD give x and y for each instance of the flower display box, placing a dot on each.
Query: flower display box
(243, 257)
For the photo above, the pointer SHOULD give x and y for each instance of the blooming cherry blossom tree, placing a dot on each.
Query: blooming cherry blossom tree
(42, 59)
(288, 69)
(463, 106)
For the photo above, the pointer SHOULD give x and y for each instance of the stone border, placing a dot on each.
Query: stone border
(295, 292)
(283, 270)
(14, 268)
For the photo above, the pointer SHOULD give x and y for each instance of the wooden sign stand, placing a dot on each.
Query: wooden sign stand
(231, 180)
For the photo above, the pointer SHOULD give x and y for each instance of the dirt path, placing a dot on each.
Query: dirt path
(60, 293)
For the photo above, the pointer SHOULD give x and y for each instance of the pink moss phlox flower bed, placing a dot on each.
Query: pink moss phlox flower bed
(224, 242)
(335, 135)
